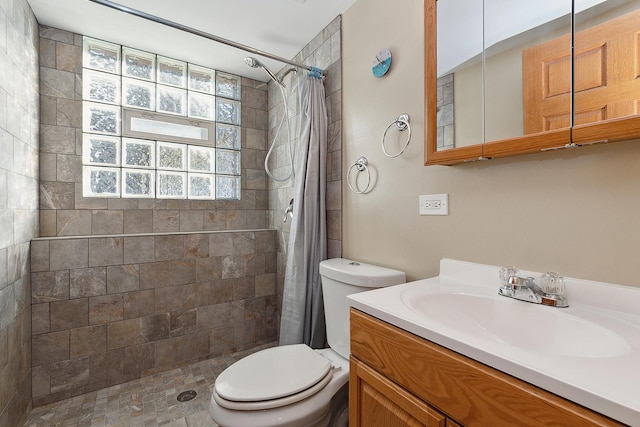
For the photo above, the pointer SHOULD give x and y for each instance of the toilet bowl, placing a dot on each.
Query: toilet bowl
(294, 385)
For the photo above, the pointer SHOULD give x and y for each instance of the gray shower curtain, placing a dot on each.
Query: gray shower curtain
(302, 318)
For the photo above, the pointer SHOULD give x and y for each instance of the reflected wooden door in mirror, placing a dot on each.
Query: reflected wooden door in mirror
(607, 71)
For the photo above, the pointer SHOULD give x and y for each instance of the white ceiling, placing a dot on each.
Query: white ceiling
(279, 27)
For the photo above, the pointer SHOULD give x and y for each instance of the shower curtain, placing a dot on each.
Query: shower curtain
(302, 318)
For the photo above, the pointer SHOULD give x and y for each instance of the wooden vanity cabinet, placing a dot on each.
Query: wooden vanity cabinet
(400, 379)
(381, 402)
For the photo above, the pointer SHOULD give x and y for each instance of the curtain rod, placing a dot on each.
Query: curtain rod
(181, 27)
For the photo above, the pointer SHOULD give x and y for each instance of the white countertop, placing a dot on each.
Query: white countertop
(607, 381)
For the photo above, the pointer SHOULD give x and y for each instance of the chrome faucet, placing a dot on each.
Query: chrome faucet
(526, 289)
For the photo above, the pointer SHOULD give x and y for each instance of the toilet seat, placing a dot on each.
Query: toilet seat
(272, 378)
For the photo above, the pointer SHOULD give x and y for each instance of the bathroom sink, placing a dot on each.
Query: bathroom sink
(536, 328)
(587, 352)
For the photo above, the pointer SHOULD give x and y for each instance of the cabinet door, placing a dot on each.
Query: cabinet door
(376, 401)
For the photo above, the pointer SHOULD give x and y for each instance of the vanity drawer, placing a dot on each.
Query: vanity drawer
(467, 391)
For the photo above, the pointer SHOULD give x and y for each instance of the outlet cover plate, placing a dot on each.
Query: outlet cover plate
(433, 204)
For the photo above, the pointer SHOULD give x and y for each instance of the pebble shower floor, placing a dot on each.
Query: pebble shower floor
(148, 401)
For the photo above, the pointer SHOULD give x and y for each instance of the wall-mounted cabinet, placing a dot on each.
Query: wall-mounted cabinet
(508, 78)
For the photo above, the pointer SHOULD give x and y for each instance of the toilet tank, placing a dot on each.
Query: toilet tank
(341, 277)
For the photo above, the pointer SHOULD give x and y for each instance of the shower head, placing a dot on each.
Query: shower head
(254, 63)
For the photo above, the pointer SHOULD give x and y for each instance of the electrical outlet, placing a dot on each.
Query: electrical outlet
(434, 204)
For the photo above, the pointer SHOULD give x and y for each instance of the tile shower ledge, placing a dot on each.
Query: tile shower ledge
(171, 233)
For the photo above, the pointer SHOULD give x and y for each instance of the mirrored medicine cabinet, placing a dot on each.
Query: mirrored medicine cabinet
(506, 78)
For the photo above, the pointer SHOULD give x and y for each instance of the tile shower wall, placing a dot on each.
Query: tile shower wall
(124, 288)
(63, 209)
(324, 51)
(111, 309)
(18, 201)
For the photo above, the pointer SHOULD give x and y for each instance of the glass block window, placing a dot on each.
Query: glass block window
(172, 72)
(228, 86)
(200, 186)
(101, 182)
(138, 153)
(100, 118)
(201, 159)
(201, 79)
(227, 136)
(158, 127)
(101, 150)
(101, 87)
(138, 64)
(138, 94)
(172, 156)
(138, 183)
(227, 111)
(228, 187)
(228, 162)
(172, 185)
(201, 106)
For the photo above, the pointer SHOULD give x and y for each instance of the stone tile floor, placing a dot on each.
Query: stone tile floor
(146, 402)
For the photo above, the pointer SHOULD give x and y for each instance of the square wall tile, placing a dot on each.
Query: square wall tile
(68, 254)
(69, 314)
(106, 251)
(48, 348)
(139, 303)
(40, 323)
(88, 340)
(40, 255)
(50, 286)
(138, 250)
(88, 282)
(106, 309)
(123, 278)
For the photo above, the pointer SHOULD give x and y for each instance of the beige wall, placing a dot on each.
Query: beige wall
(574, 211)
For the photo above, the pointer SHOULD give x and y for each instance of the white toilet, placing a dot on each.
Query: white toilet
(293, 385)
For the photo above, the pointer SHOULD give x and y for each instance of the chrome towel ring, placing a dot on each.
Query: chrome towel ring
(402, 123)
(361, 165)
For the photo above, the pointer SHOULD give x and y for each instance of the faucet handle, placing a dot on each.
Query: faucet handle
(506, 273)
(552, 283)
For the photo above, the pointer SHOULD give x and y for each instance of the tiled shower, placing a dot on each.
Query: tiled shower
(101, 291)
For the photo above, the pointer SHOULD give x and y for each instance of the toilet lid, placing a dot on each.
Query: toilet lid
(273, 373)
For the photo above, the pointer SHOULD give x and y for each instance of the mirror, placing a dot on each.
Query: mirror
(527, 67)
(607, 70)
(447, 139)
(507, 68)
(459, 72)
(508, 84)
(501, 78)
